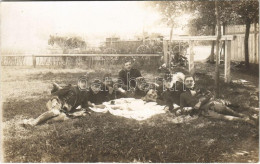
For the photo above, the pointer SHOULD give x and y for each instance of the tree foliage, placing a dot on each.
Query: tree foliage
(169, 10)
(247, 10)
(67, 43)
(205, 15)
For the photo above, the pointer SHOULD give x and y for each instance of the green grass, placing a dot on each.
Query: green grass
(108, 138)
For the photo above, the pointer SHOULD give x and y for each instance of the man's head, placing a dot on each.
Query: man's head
(128, 65)
(142, 84)
(96, 86)
(151, 95)
(168, 83)
(108, 81)
(83, 82)
(189, 81)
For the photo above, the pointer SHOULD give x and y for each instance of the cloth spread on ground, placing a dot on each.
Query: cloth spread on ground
(131, 108)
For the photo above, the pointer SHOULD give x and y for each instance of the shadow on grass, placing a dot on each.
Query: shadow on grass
(28, 108)
(107, 138)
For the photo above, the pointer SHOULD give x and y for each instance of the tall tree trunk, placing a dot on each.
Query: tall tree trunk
(211, 58)
(255, 40)
(217, 51)
(246, 43)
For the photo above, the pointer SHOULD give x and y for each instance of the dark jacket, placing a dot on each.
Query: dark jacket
(187, 100)
(133, 73)
(73, 96)
(102, 96)
(170, 96)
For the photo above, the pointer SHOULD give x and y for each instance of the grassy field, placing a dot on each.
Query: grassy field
(108, 138)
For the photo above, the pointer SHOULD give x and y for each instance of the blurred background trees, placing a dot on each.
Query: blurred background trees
(67, 43)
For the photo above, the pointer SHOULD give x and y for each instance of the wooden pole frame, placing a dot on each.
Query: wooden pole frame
(226, 38)
(227, 75)
(165, 52)
(191, 58)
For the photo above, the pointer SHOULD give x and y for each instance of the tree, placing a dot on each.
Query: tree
(67, 43)
(169, 10)
(205, 19)
(248, 12)
(217, 50)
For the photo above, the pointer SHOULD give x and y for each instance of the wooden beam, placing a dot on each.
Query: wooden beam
(255, 43)
(95, 55)
(213, 37)
(191, 58)
(85, 55)
(165, 52)
(34, 61)
(227, 61)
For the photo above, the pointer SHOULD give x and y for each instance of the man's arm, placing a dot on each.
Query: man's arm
(182, 101)
(121, 76)
(122, 82)
(84, 103)
(138, 73)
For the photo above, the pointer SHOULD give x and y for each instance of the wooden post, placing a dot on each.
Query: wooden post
(169, 52)
(224, 47)
(34, 61)
(64, 58)
(227, 61)
(165, 52)
(92, 60)
(255, 43)
(191, 58)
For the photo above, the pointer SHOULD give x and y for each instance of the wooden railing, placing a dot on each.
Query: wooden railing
(67, 59)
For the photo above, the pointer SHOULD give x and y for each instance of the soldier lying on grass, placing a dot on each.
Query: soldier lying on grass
(100, 92)
(170, 92)
(69, 101)
(201, 102)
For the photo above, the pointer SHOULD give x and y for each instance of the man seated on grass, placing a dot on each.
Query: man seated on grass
(66, 102)
(201, 102)
(127, 77)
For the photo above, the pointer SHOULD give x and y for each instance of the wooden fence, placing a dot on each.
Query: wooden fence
(238, 48)
(86, 60)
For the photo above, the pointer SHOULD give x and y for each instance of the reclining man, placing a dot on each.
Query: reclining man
(64, 103)
(167, 92)
(201, 102)
(172, 90)
(100, 92)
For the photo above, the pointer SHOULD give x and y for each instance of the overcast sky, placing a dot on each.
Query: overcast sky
(27, 25)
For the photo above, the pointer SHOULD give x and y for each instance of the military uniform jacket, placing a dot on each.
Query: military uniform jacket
(73, 96)
(133, 73)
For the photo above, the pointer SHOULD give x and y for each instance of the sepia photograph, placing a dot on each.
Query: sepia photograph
(129, 81)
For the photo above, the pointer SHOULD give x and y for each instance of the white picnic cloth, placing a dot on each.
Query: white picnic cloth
(132, 108)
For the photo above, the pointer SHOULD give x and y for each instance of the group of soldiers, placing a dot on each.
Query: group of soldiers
(177, 92)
